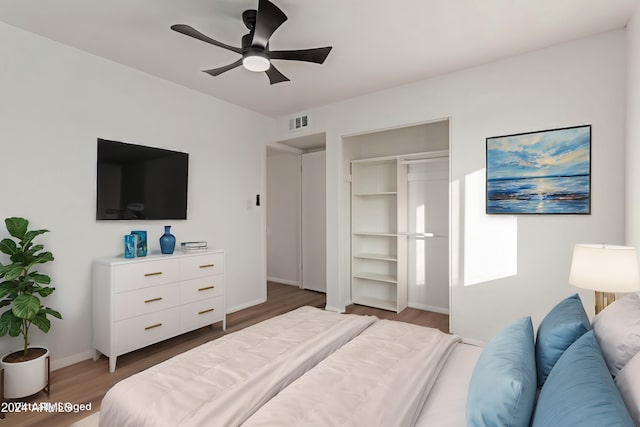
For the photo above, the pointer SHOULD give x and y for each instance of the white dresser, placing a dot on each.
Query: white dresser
(140, 301)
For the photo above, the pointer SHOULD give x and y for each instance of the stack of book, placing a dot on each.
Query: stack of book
(193, 246)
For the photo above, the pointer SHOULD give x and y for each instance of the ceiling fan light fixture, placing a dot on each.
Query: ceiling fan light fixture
(256, 63)
(255, 52)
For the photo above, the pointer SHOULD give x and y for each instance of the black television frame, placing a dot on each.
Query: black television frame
(160, 177)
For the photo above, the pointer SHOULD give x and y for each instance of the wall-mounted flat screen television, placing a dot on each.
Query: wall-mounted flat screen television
(138, 182)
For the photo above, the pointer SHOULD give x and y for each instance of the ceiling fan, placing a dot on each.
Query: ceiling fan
(256, 55)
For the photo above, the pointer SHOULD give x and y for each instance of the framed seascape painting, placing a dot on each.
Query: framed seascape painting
(543, 172)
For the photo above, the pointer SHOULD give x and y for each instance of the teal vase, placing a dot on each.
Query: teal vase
(167, 241)
(141, 249)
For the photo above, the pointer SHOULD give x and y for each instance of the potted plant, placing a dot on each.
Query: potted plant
(21, 287)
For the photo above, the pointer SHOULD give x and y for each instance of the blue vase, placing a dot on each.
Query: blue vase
(129, 246)
(141, 248)
(167, 241)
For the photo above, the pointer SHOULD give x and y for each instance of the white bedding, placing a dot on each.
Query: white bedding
(380, 378)
(446, 405)
(223, 382)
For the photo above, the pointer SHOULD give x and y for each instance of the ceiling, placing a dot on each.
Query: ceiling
(376, 44)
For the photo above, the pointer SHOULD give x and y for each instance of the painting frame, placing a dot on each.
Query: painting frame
(544, 172)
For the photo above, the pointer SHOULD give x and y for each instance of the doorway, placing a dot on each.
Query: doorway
(296, 212)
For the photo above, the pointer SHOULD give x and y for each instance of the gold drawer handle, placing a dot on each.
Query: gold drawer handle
(157, 273)
(205, 311)
(153, 300)
(207, 266)
(206, 289)
(157, 325)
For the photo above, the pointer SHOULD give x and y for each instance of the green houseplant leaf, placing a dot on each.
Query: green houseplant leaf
(10, 324)
(8, 246)
(16, 226)
(40, 278)
(26, 306)
(41, 321)
(29, 236)
(20, 285)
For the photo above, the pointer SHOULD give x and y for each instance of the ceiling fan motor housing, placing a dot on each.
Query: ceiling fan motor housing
(249, 18)
(254, 58)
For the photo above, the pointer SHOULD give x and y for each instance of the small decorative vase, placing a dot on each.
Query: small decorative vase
(141, 245)
(167, 241)
(129, 245)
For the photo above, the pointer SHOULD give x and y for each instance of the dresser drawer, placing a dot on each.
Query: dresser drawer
(131, 334)
(202, 313)
(146, 300)
(198, 289)
(138, 275)
(196, 266)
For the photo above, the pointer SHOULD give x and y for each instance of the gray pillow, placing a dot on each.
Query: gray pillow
(617, 329)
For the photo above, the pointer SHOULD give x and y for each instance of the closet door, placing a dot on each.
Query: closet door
(314, 236)
(428, 227)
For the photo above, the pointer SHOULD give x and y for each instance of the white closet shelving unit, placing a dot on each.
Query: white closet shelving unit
(378, 213)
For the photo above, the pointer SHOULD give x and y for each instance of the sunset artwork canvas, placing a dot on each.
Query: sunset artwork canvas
(544, 172)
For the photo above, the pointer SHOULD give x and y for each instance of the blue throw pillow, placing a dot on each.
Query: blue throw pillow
(561, 327)
(580, 391)
(502, 390)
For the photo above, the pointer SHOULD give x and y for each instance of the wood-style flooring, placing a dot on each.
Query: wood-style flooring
(88, 381)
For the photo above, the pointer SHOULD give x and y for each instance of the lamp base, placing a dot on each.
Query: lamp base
(603, 299)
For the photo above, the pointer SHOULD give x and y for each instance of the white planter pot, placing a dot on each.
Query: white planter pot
(23, 379)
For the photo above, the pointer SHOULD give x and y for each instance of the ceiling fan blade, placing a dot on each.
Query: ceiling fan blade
(317, 55)
(275, 76)
(220, 70)
(192, 32)
(269, 18)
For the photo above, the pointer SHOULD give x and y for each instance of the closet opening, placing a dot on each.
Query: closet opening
(399, 213)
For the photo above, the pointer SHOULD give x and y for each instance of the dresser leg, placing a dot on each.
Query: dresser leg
(112, 363)
(224, 323)
(96, 355)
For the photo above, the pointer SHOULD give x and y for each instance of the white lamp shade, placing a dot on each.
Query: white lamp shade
(605, 268)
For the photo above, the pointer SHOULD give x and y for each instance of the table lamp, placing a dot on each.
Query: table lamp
(606, 269)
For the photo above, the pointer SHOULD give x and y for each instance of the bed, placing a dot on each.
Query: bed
(380, 378)
(314, 368)
(223, 381)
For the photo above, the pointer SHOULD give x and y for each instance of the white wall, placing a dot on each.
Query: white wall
(55, 102)
(581, 82)
(632, 221)
(283, 218)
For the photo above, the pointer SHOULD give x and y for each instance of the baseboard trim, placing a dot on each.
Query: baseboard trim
(245, 305)
(70, 360)
(284, 281)
(431, 308)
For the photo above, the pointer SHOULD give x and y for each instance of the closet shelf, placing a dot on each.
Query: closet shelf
(378, 211)
(374, 233)
(376, 302)
(376, 193)
(377, 277)
(382, 257)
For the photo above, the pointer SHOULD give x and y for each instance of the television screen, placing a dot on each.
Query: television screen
(137, 182)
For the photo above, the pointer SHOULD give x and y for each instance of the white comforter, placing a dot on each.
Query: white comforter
(221, 383)
(381, 378)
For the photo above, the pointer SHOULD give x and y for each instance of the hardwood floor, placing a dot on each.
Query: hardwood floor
(88, 381)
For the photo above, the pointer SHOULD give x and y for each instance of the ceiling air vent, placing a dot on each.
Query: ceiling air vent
(298, 123)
